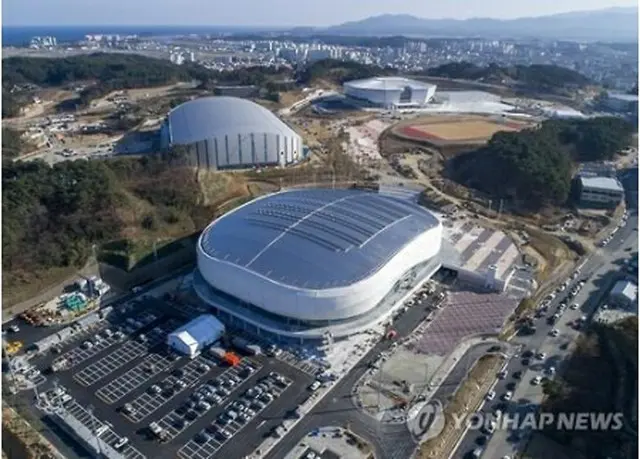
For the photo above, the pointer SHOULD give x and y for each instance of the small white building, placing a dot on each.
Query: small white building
(193, 336)
(624, 293)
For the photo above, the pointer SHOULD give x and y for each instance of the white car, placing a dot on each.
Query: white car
(551, 371)
(555, 332)
(541, 356)
(502, 374)
(507, 396)
(574, 306)
(535, 381)
(315, 386)
(490, 395)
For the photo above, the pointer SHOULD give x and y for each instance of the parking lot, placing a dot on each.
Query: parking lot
(130, 351)
(136, 384)
(80, 354)
(108, 436)
(235, 417)
(152, 365)
(176, 421)
(170, 387)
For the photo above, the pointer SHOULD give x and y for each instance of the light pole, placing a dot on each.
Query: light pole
(93, 429)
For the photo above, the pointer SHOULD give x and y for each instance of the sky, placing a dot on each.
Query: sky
(273, 12)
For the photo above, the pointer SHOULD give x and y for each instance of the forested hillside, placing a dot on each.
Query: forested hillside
(534, 167)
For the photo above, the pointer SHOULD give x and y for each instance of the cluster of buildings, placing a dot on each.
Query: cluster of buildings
(180, 57)
(603, 64)
(43, 42)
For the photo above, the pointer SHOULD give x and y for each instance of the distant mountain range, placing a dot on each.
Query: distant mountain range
(613, 24)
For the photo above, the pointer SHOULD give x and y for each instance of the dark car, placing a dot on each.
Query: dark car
(481, 440)
(182, 410)
(528, 353)
(495, 348)
(179, 423)
(178, 373)
(525, 362)
(191, 415)
(511, 386)
(202, 437)
(517, 374)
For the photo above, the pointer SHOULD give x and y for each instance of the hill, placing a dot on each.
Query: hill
(54, 215)
(533, 168)
(540, 77)
(613, 24)
(101, 73)
(599, 377)
(546, 78)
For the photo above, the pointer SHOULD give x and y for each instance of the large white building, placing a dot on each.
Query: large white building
(229, 132)
(390, 92)
(301, 264)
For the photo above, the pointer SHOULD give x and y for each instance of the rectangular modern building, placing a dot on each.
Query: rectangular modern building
(604, 192)
(624, 293)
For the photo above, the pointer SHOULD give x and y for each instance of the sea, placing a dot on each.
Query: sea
(21, 35)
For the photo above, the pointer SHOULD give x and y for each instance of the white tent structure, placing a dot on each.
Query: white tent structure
(193, 336)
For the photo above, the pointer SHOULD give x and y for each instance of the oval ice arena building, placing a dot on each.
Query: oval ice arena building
(304, 263)
(390, 92)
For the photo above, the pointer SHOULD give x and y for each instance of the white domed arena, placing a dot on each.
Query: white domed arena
(222, 132)
(300, 264)
(390, 92)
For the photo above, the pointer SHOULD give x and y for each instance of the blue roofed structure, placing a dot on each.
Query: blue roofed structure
(318, 238)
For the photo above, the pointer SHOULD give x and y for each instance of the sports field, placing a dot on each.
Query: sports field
(458, 130)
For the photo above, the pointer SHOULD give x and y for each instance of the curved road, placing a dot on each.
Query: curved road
(601, 269)
(390, 441)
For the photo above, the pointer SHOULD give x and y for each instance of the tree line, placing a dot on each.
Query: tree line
(541, 77)
(102, 73)
(534, 167)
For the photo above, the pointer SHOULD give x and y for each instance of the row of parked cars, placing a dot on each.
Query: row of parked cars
(613, 232)
(244, 409)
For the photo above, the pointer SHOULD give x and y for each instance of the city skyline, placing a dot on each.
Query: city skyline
(279, 12)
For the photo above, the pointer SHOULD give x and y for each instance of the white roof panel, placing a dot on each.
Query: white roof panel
(601, 183)
(210, 117)
(388, 84)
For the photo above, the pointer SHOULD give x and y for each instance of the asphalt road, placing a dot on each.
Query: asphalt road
(603, 269)
(390, 441)
(29, 334)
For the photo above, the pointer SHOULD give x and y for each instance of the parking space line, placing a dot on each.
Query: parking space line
(168, 422)
(109, 437)
(130, 351)
(152, 365)
(145, 404)
(195, 450)
(79, 354)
